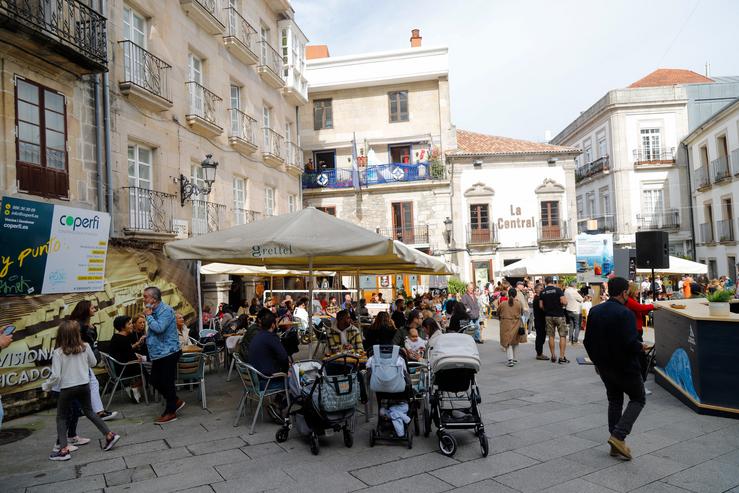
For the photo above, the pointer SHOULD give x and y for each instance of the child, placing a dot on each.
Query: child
(415, 346)
(71, 362)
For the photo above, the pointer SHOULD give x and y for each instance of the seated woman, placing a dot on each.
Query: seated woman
(414, 321)
(459, 314)
(301, 313)
(138, 335)
(122, 351)
(382, 332)
(183, 333)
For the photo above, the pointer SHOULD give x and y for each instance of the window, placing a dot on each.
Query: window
(587, 151)
(403, 221)
(330, 209)
(233, 20)
(264, 36)
(134, 26)
(195, 70)
(239, 198)
(590, 204)
(323, 114)
(550, 213)
(139, 179)
(580, 208)
(199, 205)
(479, 223)
(400, 154)
(398, 101)
(602, 145)
(266, 119)
(292, 203)
(325, 159)
(285, 44)
(235, 102)
(605, 201)
(41, 140)
(134, 59)
(269, 201)
(650, 143)
(653, 201)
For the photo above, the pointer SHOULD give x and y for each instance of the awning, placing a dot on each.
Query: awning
(541, 264)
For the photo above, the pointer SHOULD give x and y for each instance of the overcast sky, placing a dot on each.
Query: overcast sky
(519, 68)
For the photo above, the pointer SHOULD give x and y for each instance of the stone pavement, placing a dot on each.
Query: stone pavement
(546, 422)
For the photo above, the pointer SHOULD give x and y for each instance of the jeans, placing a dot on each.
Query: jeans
(573, 320)
(163, 376)
(95, 400)
(476, 323)
(617, 384)
(274, 384)
(525, 321)
(64, 408)
(73, 417)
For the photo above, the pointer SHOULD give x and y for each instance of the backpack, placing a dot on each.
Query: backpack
(388, 375)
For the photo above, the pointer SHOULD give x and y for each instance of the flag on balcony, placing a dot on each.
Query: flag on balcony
(355, 166)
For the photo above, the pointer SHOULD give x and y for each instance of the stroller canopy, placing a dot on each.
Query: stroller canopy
(454, 351)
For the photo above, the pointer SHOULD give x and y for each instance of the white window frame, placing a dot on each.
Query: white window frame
(650, 143)
(239, 200)
(587, 146)
(605, 201)
(269, 201)
(292, 203)
(139, 162)
(653, 198)
(602, 144)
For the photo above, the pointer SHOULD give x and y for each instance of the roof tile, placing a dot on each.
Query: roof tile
(476, 143)
(670, 77)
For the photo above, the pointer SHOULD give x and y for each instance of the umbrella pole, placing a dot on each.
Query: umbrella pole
(310, 305)
(200, 296)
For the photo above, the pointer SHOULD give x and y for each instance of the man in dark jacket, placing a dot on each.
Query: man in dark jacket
(267, 354)
(613, 345)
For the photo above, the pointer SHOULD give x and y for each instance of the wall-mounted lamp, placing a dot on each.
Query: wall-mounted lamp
(448, 230)
(477, 163)
(188, 188)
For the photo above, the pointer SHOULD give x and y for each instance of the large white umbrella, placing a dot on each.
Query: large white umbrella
(254, 270)
(540, 264)
(679, 266)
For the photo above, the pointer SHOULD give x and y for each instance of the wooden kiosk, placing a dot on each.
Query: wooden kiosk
(697, 356)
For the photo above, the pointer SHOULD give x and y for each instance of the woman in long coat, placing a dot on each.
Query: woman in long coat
(509, 313)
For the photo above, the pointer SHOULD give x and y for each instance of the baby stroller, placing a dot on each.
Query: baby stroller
(454, 361)
(323, 399)
(396, 409)
(419, 376)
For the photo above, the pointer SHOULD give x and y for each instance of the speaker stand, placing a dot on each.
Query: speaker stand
(654, 287)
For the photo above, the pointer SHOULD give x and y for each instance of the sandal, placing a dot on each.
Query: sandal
(553, 359)
(563, 361)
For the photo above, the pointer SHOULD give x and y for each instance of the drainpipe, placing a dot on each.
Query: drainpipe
(297, 137)
(106, 120)
(690, 207)
(98, 144)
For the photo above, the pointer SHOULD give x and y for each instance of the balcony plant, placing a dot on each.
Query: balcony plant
(436, 164)
(718, 302)
(456, 286)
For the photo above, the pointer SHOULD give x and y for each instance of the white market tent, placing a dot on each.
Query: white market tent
(679, 266)
(541, 264)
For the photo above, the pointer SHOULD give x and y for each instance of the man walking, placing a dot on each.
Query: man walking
(552, 300)
(574, 311)
(473, 310)
(613, 346)
(164, 351)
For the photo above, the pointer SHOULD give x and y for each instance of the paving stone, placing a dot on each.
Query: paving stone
(730, 458)
(659, 487)
(422, 483)
(198, 489)
(170, 467)
(88, 483)
(395, 470)
(699, 449)
(630, 475)
(544, 475)
(335, 483)
(216, 445)
(578, 486)
(596, 458)
(484, 468)
(21, 481)
(187, 479)
(102, 467)
(155, 457)
(125, 476)
(124, 450)
(708, 477)
(487, 486)
(262, 449)
(556, 447)
(252, 482)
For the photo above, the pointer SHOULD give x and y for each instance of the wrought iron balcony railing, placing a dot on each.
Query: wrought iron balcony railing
(243, 126)
(240, 29)
(69, 27)
(374, 175)
(148, 210)
(145, 70)
(667, 219)
(702, 177)
(597, 225)
(294, 155)
(720, 168)
(209, 5)
(477, 235)
(245, 216)
(593, 168)
(410, 235)
(207, 217)
(270, 58)
(725, 229)
(203, 103)
(656, 155)
(559, 232)
(735, 161)
(707, 233)
(273, 143)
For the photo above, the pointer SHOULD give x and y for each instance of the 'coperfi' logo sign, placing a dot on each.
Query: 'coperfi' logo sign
(80, 222)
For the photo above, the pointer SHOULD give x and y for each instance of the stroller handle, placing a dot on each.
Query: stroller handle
(349, 358)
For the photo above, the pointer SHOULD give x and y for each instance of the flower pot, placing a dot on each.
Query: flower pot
(718, 309)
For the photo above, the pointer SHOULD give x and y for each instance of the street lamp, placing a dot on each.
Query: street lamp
(448, 230)
(188, 188)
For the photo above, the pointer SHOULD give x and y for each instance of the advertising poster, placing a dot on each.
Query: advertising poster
(594, 257)
(50, 248)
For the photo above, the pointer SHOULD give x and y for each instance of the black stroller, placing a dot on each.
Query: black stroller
(391, 383)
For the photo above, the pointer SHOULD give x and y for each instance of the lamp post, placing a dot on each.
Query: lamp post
(188, 188)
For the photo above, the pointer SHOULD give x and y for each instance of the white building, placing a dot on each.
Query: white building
(510, 199)
(713, 157)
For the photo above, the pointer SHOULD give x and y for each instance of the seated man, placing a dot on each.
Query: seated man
(251, 331)
(343, 336)
(267, 354)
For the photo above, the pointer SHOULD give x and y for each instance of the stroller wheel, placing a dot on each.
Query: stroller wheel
(373, 438)
(314, 447)
(484, 446)
(447, 444)
(348, 438)
(426, 422)
(281, 435)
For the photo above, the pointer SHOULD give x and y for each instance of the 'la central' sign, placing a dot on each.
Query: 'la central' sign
(516, 222)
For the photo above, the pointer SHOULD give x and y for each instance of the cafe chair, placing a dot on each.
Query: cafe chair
(250, 379)
(190, 372)
(211, 352)
(116, 376)
(232, 346)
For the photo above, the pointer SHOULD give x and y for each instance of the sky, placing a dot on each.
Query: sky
(520, 68)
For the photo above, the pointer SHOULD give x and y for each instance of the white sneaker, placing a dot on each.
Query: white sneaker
(70, 447)
(78, 440)
(647, 391)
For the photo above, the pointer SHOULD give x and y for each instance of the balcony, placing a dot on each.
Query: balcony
(243, 133)
(202, 110)
(294, 159)
(720, 169)
(554, 233)
(600, 165)
(66, 33)
(150, 213)
(207, 217)
(647, 156)
(410, 235)
(273, 150)
(481, 236)
(145, 78)
(706, 233)
(241, 38)
(725, 229)
(245, 216)
(270, 66)
(735, 161)
(296, 88)
(205, 14)
(375, 175)
(597, 225)
(702, 178)
(280, 7)
(668, 219)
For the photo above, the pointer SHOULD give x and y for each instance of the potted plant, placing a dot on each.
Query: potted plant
(718, 302)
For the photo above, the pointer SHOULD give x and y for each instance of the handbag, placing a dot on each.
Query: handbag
(521, 331)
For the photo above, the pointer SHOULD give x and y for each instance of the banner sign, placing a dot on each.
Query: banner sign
(594, 257)
(49, 248)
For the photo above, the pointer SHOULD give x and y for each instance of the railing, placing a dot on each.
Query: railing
(145, 70)
(374, 175)
(707, 233)
(702, 178)
(720, 168)
(603, 224)
(559, 232)
(203, 103)
(273, 142)
(481, 236)
(735, 161)
(270, 58)
(592, 168)
(245, 216)
(239, 28)
(668, 219)
(149, 210)
(68, 22)
(410, 235)
(209, 5)
(207, 217)
(243, 126)
(725, 230)
(294, 155)
(660, 155)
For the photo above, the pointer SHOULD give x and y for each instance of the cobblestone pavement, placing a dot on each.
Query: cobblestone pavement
(546, 422)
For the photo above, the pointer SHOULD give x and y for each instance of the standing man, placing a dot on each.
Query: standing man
(473, 310)
(613, 345)
(523, 298)
(540, 324)
(552, 300)
(574, 311)
(164, 351)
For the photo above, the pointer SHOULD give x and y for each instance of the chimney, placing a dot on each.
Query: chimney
(416, 38)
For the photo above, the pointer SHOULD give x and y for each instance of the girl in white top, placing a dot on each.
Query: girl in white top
(70, 371)
(301, 314)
